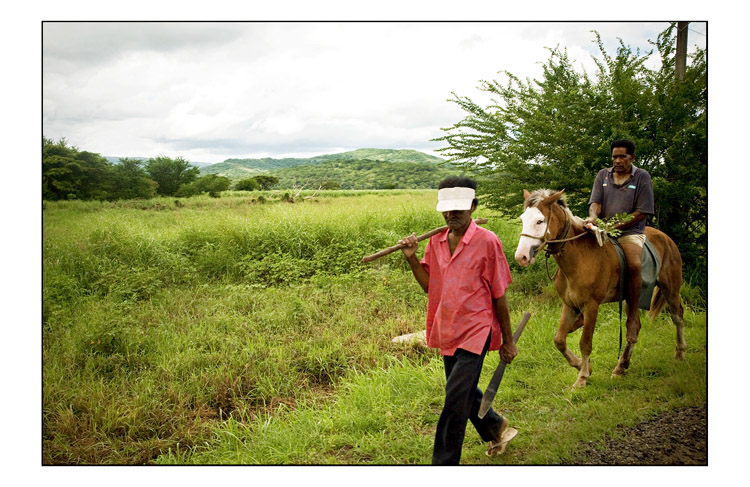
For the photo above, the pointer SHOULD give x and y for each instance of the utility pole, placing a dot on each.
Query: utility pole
(680, 57)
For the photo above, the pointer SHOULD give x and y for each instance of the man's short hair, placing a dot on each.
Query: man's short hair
(459, 182)
(628, 144)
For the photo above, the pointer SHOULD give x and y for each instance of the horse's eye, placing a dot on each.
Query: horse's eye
(540, 222)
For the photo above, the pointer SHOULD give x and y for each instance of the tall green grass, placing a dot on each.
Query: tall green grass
(236, 330)
(387, 415)
(159, 321)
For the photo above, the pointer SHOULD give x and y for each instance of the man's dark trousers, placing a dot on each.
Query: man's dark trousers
(462, 401)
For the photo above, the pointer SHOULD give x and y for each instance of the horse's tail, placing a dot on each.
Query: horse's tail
(658, 303)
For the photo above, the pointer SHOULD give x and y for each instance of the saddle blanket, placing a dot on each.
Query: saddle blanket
(649, 271)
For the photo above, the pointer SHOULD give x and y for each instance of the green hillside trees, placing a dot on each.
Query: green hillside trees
(364, 174)
(69, 173)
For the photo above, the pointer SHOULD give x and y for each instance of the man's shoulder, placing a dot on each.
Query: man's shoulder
(642, 177)
(485, 232)
(486, 235)
(603, 172)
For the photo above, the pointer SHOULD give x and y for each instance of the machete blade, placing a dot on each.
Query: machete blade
(489, 393)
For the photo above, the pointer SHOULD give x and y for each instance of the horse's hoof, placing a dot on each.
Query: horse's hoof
(679, 355)
(619, 370)
(579, 384)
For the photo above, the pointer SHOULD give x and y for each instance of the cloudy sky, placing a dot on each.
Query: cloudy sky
(210, 91)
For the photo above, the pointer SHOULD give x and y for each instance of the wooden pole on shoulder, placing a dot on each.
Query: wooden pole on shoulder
(369, 258)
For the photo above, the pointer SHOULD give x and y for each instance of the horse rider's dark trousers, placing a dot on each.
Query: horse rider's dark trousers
(462, 401)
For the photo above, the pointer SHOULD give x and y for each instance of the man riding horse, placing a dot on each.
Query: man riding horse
(590, 273)
(624, 188)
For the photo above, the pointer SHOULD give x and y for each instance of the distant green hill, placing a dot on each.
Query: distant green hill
(244, 168)
(363, 174)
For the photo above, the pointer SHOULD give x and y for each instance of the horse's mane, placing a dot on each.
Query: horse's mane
(540, 195)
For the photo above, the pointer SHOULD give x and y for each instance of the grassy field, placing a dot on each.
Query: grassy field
(246, 330)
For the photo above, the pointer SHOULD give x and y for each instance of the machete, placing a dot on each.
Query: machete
(489, 394)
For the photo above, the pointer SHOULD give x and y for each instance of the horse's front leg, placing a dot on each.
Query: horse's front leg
(570, 320)
(590, 313)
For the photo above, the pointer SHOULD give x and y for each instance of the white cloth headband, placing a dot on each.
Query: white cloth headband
(455, 199)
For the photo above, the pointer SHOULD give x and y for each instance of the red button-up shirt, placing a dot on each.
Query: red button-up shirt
(460, 312)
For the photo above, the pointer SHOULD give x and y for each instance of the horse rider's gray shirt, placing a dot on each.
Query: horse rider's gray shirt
(636, 194)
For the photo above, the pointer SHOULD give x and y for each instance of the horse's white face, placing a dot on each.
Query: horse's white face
(534, 224)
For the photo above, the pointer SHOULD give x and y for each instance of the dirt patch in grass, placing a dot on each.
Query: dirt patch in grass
(678, 437)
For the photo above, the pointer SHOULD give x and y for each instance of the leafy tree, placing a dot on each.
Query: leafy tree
(679, 162)
(131, 181)
(97, 181)
(170, 174)
(555, 133)
(265, 181)
(248, 184)
(60, 174)
(211, 184)
(330, 185)
(68, 173)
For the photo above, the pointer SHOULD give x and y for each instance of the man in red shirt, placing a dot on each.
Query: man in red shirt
(465, 275)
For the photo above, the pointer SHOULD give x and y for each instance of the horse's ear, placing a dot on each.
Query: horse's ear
(553, 197)
(526, 195)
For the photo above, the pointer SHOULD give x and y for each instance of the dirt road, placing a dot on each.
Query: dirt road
(678, 437)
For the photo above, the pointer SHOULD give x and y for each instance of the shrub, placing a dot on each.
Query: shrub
(249, 184)
(211, 184)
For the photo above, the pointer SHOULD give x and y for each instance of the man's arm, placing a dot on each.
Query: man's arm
(644, 201)
(595, 200)
(508, 349)
(421, 275)
(637, 218)
(595, 209)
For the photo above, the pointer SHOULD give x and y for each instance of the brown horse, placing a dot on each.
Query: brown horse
(589, 275)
